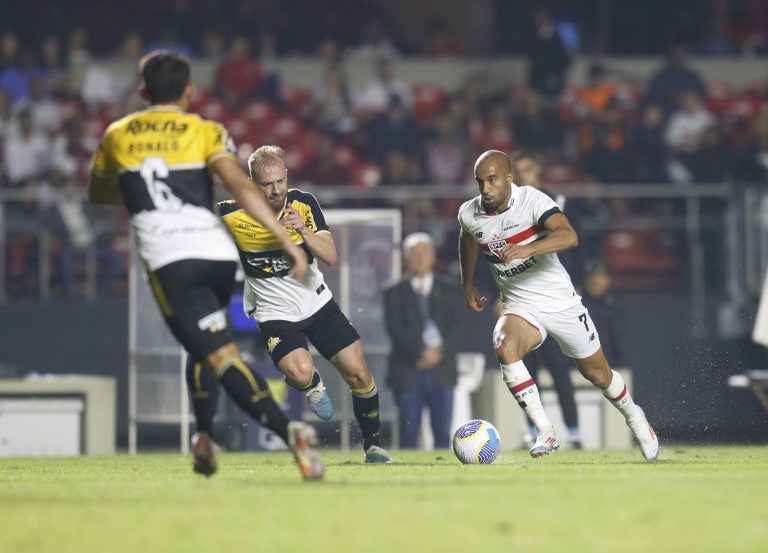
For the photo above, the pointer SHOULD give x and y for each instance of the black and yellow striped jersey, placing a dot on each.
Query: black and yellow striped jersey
(161, 157)
(270, 293)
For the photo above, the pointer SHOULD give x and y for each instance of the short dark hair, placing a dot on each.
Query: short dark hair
(165, 75)
(525, 154)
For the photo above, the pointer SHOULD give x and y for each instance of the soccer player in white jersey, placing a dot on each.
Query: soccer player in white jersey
(519, 231)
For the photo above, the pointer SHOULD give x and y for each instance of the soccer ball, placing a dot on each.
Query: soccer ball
(476, 442)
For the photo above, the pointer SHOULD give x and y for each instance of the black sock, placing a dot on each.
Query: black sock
(250, 391)
(365, 404)
(204, 391)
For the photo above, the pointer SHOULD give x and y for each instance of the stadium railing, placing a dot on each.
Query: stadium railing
(705, 220)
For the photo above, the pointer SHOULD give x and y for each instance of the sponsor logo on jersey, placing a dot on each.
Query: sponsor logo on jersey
(508, 226)
(138, 126)
(272, 343)
(518, 269)
(214, 322)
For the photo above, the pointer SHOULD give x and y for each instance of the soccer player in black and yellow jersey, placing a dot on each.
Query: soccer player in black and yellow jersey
(292, 312)
(158, 162)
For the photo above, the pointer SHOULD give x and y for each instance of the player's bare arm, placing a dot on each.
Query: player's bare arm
(319, 243)
(104, 190)
(245, 192)
(561, 237)
(468, 250)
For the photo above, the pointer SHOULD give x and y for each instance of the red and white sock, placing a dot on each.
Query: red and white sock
(525, 391)
(619, 396)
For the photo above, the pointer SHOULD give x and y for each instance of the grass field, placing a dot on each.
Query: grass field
(695, 499)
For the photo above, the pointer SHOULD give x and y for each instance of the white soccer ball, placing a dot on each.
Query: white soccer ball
(476, 442)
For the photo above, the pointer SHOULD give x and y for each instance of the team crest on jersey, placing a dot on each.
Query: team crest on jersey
(272, 343)
(496, 246)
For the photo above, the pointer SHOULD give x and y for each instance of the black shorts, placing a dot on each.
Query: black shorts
(328, 330)
(193, 295)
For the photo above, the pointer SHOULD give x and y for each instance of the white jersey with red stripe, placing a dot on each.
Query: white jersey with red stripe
(539, 281)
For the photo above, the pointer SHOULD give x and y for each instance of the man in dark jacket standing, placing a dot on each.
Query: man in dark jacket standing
(422, 313)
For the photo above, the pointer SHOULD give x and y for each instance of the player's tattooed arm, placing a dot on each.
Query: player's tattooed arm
(561, 237)
(468, 250)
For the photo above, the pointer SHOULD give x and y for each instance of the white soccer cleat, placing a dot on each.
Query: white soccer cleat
(377, 455)
(303, 441)
(644, 435)
(545, 444)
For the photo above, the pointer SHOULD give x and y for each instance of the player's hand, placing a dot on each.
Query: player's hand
(511, 252)
(474, 300)
(293, 220)
(429, 358)
(299, 262)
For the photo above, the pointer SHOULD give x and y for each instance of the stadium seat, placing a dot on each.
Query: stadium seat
(427, 101)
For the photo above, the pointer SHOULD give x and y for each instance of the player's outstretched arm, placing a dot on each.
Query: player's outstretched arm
(319, 243)
(256, 206)
(468, 250)
(104, 190)
(561, 237)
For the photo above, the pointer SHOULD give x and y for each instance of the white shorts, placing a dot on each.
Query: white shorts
(573, 328)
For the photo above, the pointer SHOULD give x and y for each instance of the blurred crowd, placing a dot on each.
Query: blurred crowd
(675, 129)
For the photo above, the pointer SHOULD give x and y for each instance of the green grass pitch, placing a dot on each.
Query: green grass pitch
(694, 500)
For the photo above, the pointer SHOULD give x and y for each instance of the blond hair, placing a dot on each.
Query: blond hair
(263, 156)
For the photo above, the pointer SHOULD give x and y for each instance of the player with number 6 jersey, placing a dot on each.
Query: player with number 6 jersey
(519, 230)
(158, 162)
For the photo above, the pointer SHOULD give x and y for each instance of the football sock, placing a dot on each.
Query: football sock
(314, 383)
(365, 404)
(617, 394)
(525, 391)
(204, 390)
(251, 393)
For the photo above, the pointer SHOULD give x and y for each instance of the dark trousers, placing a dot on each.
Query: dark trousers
(426, 393)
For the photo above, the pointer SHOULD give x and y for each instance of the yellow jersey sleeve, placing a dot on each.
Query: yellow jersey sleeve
(104, 163)
(217, 142)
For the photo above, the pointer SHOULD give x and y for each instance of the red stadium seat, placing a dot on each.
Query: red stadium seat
(427, 101)
(259, 111)
(295, 97)
(214, 109)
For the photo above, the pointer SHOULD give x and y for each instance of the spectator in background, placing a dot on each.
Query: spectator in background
(376, 44)
(439, 44)
(674, 78)
(332, 101)
(132, 47)
(394, 130)
(239, 74)
(494, 132)
(27, 152)
(9, 49)
(44, 110)
(648, 150)
(212, 45)
(6, 119)
(382, 88)
(446, 153)
(422, 313)
(548, 60)
(15, 77)
(324, 168)
(78, 53)
(599, 301)
(753, 166)
(402, 168)
(536, 128)
(684, 137)
(56, 67)
(601, 129)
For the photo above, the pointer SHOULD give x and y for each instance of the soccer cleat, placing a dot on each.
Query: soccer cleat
(302, 439)
(378, 456)
(319, 402)
(202, 452)
(545, 444)
(644, 435)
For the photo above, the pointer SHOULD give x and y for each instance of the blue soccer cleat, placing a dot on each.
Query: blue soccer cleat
(377, 455)
(319, 402)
